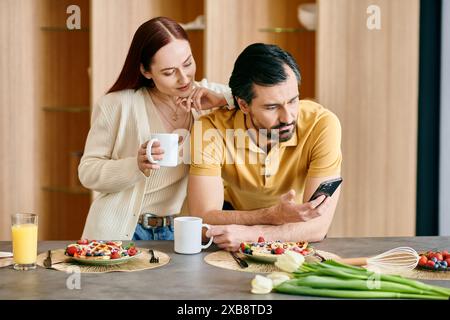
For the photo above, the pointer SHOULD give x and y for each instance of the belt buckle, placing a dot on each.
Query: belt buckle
(145, 217)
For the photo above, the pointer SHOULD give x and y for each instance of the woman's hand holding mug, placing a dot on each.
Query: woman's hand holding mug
(143, 163)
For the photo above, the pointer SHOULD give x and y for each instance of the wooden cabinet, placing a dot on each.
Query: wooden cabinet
(114, 23)
(232, 25)
(63, 104)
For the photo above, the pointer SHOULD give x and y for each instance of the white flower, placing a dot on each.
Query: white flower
(278, 277)
(290, 261)
(261, 285)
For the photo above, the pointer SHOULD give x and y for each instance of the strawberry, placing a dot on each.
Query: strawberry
(242, 246)
(423, 261)
(261, 239)
(115, 255)
(279, 250)
(83, 241)
(71, 251)
(132, 251)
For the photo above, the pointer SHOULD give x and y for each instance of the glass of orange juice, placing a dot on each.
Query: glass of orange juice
(24, 229)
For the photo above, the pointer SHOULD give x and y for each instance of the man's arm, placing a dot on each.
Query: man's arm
(229, 237)
(205, 200)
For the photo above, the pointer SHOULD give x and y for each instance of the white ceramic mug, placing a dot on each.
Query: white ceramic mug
(188, 235)
(169, 143)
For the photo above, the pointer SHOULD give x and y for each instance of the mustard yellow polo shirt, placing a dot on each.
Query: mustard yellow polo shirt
(254, 178)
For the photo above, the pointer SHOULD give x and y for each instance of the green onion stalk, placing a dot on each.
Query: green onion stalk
(334, 279)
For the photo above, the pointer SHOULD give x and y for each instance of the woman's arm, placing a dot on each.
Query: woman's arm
(97, 171)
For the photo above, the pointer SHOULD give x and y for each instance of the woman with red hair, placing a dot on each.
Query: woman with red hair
(155, 93)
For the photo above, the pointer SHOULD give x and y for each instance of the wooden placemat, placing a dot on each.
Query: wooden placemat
(63, 263)
(223, 259)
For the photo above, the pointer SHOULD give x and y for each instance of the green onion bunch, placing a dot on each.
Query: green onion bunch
(337, 280)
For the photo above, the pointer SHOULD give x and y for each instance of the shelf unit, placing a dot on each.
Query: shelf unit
(265, 21)
(284, 29)
(64, 100)
(109, 53)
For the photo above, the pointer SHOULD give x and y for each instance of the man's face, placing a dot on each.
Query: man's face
(275, 108)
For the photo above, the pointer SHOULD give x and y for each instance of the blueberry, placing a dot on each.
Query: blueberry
(88, 254)
(436, 266)
(434, 259)
(444, 263)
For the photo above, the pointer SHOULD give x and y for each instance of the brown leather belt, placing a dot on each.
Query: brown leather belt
(148, 220)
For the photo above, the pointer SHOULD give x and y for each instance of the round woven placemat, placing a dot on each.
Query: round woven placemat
(426, 275)
(223, 259)
(142, 262)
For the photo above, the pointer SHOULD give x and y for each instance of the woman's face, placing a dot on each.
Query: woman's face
(173, 69)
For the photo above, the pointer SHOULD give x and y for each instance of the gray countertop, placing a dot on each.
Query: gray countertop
(186, 277)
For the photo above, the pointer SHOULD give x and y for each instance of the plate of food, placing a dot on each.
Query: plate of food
(269, 251)
(437, 261)
(95, 252)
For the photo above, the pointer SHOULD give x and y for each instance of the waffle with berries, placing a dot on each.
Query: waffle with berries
(270, 248)
(100, 250)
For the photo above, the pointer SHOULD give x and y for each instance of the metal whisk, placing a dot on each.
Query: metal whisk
(392, 261)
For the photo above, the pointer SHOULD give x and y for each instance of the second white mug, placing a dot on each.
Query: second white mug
(188, 235)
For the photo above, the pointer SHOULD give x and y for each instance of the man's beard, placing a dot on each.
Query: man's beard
(273, 135)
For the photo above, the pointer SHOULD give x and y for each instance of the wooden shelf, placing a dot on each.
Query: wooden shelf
(70, 109)
(69, 190)
(63, 29)
(284, 30)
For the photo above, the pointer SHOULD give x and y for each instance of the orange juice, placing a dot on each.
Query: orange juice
(24, 238)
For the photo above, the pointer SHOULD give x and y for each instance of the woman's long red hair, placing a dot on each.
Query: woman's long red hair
(148, 39)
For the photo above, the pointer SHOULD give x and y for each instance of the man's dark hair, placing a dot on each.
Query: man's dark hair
(261, 64)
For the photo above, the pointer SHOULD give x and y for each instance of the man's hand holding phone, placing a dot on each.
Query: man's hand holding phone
(288, 211)
(326, 188)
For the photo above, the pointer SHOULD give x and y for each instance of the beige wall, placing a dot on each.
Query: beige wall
(370, 80)
(17, 111)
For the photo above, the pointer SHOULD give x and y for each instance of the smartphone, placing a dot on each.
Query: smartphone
(326, 188)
